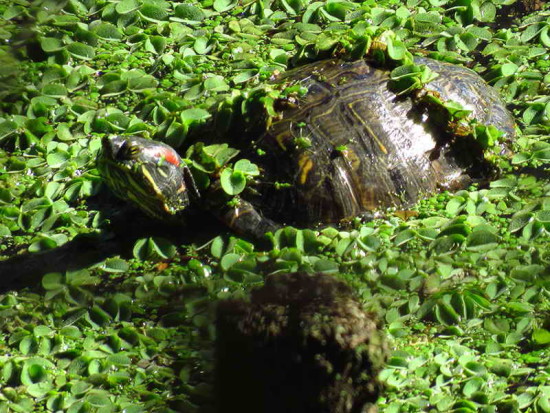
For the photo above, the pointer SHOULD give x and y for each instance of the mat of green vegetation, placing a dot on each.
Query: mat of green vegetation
(461, 282)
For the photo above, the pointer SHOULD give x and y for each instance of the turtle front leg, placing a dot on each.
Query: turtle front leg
(242, 218)
(239, 215)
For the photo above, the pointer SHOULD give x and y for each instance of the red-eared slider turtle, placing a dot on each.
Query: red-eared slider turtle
(349, 145)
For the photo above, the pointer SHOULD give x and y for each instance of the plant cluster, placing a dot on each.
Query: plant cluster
(460, 280)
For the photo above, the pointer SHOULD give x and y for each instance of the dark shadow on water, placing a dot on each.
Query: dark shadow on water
(539, 173)
(126, 225)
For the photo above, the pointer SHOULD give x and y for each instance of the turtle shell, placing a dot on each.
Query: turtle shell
(352, 145)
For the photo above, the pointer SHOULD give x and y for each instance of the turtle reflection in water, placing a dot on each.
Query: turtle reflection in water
(349, 146)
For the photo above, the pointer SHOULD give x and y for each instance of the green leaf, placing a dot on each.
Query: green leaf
(115, 265)
(39, 390)
(43, 243)
(481, 240)
(13, 11)
(223, 5)
(217, 247)
(189, 12)
(80, 387)
(53, 281)
(396, 49)
(107, 31)
(57, 159)
(326, 266)
(41, 331)
(4, 231)
(508, 69)
(229, 260)
(543, 216)
(325, 42)
(475, 368)
(201, 45)
(232, 182)
(71, 332)
(244, 76)
(519, 220)
(447, 243)
(35, 370)
(531, 32)
(163, 248)
(216, 84)
(190, 116)
(455, 205)
(51, 44)
(127, 6)
(153, 248)
(7, 128)
(155, 44)
(543, 155)
(116, 87)
(99, 399)
(446, 314)
(541, 337)
(246, 167)
(472, 386)
(487, 11)
(81, 51)
(460, 229)
(404, 237)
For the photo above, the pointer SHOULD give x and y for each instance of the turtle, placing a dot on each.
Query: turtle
(347, 147)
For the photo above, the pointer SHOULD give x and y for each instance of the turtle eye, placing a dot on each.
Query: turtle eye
(127, 151)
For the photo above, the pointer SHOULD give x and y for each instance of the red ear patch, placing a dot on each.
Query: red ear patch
(170, 156)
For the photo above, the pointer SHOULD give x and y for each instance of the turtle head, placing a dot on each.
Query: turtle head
(148, 173)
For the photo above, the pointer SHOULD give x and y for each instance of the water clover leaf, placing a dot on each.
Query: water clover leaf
(201, 45)
(99, 399)
(51, 44)
(221, 153)
(81, 51)
(244, 76)
(404, 236)
(487, 136)
(155, 44)
(107, 31)
(42, 330)
(7, 128)
(39, 390)
(35, 370)
(127, 6)
(409, 77)
(519, 220)
(223, 5)
(541, 337)
(115, 265)
(195, 115)
(114, 88)
(189, 13)
(216, 84)
(246, 167)
(326, 266)
(54, 90)
(153, 248)
(445, 313)
(481, 240)
(396, 48)
(218, 247)
(138, 80)
(46, 242)
(232, 181)
(53, 281)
